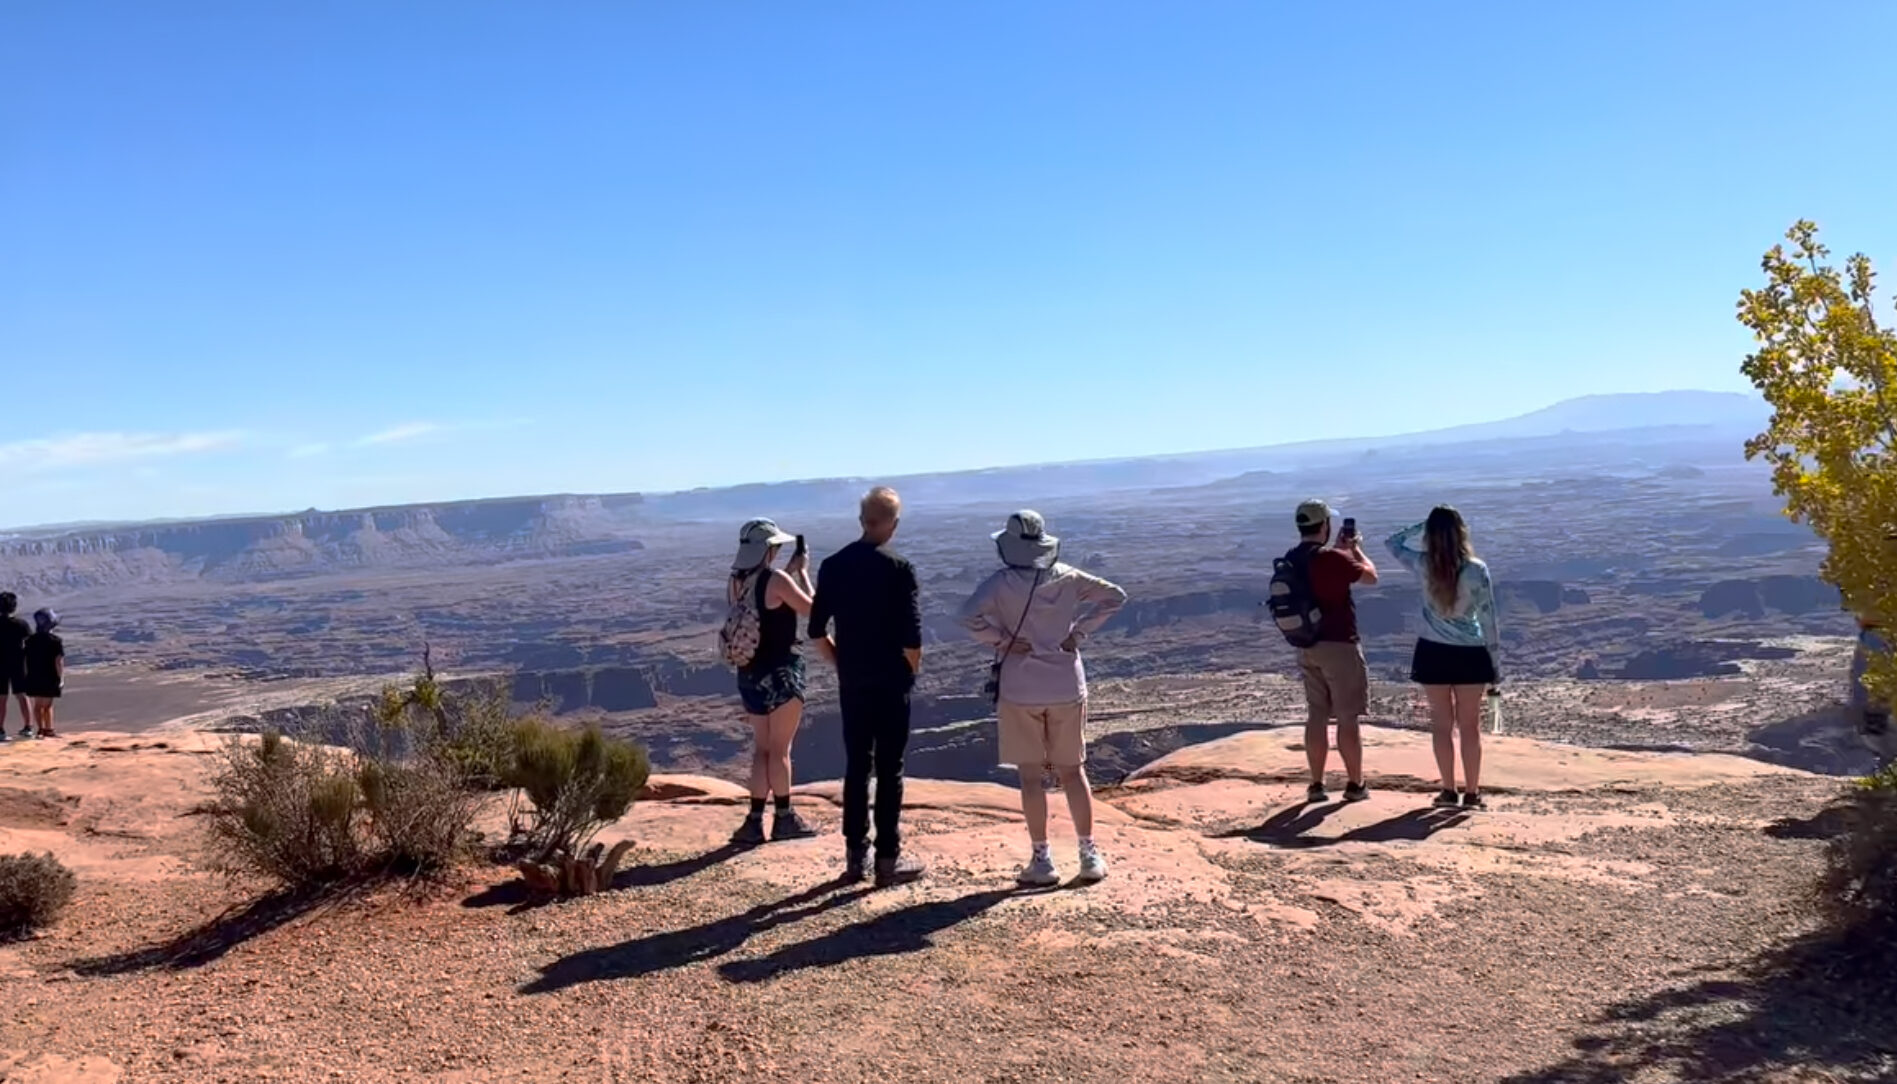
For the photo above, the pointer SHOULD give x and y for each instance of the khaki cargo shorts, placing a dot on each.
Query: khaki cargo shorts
(1336, 681)
(1034, 735)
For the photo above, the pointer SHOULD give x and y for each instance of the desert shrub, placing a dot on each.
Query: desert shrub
(34, 889)
(471, 729)
(285, 809)
(1859, 885)
(419, 810)
(478, 734)
(577, 782)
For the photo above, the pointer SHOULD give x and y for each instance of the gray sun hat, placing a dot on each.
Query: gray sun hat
(755, 540)
(1025, 543)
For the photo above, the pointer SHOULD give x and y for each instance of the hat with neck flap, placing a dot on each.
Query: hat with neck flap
(1025, 543)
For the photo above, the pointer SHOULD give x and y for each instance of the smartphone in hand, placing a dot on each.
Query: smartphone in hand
(801, 547)
(1350, 529)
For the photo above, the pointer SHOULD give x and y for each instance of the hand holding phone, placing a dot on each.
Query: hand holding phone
(1348, 535)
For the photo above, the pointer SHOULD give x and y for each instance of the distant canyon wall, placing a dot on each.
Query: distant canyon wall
(239, 550)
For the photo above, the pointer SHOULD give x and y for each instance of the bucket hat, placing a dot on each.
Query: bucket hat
(1025, 543)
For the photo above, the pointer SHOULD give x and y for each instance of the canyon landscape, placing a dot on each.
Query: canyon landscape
(1628, 909)
(1653, 595)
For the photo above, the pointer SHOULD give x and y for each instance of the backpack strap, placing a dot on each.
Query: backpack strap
(1018, 625)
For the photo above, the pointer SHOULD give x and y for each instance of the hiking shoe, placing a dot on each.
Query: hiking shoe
(750, 833)
(855, 865)
(1038, 873)
(788, 825)
(898, 871)
(1473, 800)
(1317, 794)
(1356, 792)
(1093, 866)
(1447, 799)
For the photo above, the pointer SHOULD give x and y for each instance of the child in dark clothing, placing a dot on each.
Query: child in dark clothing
(45, 671)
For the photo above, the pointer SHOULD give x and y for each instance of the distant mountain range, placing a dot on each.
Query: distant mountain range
(244, 548)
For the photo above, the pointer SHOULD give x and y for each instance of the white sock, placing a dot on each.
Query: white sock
(1086, 844)
(1042, 850)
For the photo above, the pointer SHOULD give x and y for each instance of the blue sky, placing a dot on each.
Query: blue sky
(270, 256)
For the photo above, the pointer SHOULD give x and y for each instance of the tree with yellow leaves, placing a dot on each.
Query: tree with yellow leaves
(1829, 371)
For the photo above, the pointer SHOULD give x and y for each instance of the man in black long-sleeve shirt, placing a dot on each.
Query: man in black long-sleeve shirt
(870, 592)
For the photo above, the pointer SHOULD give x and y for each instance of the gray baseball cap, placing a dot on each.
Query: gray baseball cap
(1313, 514)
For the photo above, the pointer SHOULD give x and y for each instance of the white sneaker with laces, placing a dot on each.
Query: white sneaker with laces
(1038, 873)
(1093, 866)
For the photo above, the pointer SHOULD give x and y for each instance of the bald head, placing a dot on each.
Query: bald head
(881, 510)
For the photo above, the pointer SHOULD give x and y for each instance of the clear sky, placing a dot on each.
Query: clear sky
(268, 256)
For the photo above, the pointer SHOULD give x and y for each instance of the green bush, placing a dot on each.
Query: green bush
(287, 810)
(471, 728)
(1859, 886)
(577, 782)
(419, 811)
(34, 889)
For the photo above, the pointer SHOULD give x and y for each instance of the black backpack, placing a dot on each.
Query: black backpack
(1293, 606)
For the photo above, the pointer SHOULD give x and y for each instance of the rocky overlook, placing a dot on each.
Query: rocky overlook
(1616, 916)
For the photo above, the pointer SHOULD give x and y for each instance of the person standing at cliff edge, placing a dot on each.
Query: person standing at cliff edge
(1311, 591)
(13, 634)
(1034, 613)
(871, 594)
(771, 682)
(1458, 655)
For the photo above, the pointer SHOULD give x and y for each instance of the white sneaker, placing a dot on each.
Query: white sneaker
(1093, 866)
(1038, 873)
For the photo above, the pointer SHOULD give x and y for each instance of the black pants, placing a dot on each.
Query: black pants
(875, 736)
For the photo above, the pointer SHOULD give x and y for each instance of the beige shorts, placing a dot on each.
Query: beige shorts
(1034, 735)
(1336, 681)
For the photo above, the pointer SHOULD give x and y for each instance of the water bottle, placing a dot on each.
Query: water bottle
(1493, 702)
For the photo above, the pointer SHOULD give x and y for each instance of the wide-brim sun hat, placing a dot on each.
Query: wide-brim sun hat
(755, 540)
(1025, 543)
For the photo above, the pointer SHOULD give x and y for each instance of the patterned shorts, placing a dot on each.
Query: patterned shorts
(764, 691)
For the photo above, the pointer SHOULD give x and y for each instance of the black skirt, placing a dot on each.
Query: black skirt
(1451, 664)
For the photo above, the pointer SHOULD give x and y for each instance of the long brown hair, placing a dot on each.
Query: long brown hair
(1446, 538)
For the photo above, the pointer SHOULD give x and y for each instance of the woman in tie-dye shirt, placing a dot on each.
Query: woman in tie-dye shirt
(1456, 656)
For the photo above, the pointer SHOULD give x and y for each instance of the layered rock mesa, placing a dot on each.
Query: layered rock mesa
(315, 542)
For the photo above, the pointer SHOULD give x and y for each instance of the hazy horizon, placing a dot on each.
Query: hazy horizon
(1475, 432)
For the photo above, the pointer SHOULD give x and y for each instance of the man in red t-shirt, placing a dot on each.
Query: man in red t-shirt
(1336, 681)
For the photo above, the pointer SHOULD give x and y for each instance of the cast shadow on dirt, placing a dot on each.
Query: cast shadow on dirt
(518, 898)
(1820, 1006)
(210, 941)
(1288, 827)
(903, 930)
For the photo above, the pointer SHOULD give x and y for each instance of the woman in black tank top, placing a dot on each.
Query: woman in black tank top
(771, 685)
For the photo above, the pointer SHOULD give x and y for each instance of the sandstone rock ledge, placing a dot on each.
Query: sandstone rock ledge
(1614, 916)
